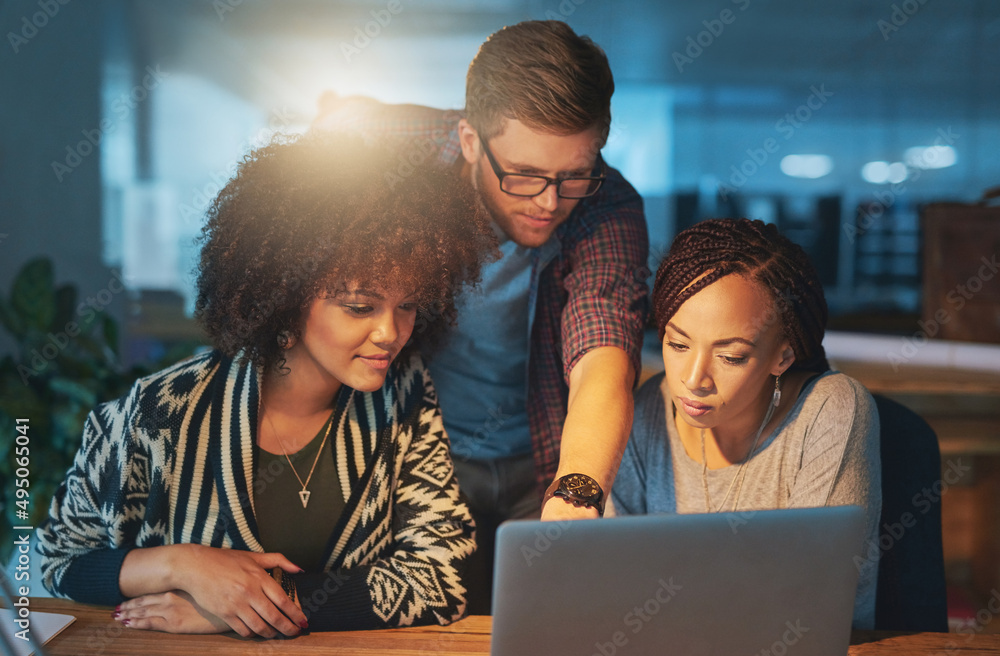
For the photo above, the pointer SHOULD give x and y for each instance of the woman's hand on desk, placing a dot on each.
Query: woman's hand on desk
(230, 585)
(171, 612)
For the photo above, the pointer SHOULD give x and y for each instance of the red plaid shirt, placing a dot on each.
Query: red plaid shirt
(588, 284)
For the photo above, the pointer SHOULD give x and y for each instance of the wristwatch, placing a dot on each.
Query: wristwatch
(578, 489)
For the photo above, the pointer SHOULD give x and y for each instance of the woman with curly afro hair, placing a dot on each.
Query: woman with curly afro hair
(298, 474)
(747, 414)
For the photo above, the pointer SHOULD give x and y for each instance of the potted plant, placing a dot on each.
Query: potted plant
(65, 362)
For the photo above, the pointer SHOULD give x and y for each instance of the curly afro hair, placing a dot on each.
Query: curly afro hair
(711, 249)
(304, 217)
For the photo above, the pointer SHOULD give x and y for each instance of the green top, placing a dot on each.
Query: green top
(299, 533)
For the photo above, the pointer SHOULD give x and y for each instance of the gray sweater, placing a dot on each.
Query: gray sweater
(825, 452)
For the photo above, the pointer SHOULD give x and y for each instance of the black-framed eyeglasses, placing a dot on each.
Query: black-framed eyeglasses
(529, 186)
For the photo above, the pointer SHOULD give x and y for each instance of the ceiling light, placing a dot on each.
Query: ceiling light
(875, 172)
(806, 166)
(897, 172)
(930, 157)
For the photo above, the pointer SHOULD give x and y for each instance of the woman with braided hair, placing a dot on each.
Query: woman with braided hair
(747, 414)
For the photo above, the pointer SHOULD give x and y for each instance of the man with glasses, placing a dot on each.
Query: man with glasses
(535, 381)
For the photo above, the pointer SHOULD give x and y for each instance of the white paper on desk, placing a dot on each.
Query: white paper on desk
(44, 627)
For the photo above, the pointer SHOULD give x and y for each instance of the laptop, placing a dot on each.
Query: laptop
(764, 582)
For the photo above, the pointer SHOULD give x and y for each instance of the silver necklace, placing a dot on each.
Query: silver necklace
(304, 492)
(775, 400)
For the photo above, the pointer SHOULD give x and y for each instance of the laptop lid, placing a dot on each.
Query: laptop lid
(774, 581)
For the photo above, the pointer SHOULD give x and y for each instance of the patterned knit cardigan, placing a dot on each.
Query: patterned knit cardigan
(172, 462)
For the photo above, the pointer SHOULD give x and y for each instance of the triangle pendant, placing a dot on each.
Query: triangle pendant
(304, 495)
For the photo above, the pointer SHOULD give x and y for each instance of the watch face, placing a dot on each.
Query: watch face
(579, 485)
(581, 490)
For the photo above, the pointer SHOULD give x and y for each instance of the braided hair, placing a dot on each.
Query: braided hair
(711, 249)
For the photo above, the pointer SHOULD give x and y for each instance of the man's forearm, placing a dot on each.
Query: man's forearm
(599, 416)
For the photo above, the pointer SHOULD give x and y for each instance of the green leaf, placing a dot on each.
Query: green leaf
(67, 433)
(13, 322)
(93, 349)
(32, 296)
(21, 401)
(74, 390)
(56, 398)
(8, 426)
(8, 370)
(110, 329)
(65, 300)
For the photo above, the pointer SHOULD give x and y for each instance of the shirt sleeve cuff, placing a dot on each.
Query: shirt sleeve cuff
(336, 601)
(93, 577)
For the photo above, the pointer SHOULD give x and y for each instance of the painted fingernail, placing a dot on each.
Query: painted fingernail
(118, 608)
(126, 622)
(301, 571)
(304, 624)
(115, 615)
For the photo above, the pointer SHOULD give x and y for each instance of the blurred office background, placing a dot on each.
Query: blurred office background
(839, 121)
(815, 115)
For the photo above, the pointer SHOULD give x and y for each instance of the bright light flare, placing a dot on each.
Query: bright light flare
(806, 166)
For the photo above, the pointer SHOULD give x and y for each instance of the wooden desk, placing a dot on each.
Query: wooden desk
(94, 632)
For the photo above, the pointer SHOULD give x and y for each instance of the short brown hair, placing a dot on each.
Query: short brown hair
(542, 74)
(305, 215)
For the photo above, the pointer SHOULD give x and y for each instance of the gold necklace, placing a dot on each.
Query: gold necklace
(304, 492)
(704, 469)
(775, 400)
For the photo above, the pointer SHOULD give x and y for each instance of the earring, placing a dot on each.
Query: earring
(285, 340)
(776, 399)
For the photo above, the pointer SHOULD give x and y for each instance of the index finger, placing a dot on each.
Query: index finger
(281, 601)
(271, 560)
